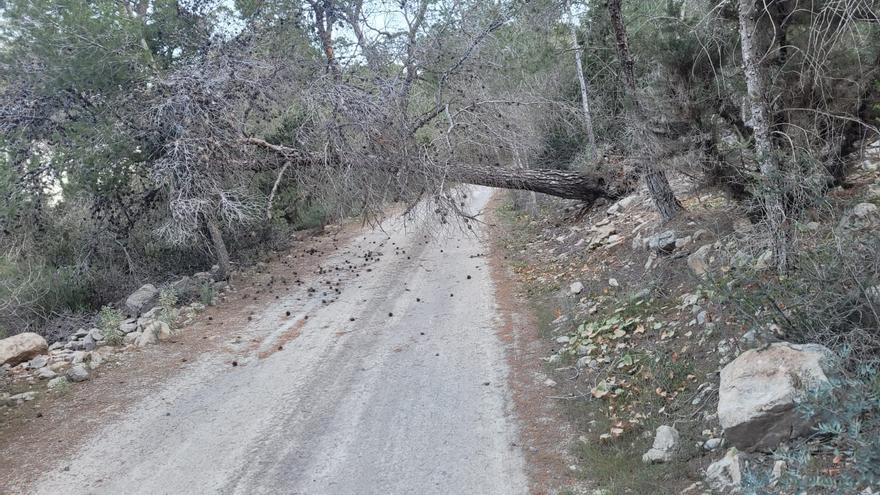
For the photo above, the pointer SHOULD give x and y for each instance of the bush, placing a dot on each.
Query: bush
(108, 322)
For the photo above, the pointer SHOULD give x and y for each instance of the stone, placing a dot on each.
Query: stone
(613, 282)
(142, 300)
(663, 242)
(38, 362)
(24, 396)
(697, 261)
(712, 443)
(46, 374)
(80, 357)
(576, 288)
(57, 382)
(131, 338)
(622, 204)
(726, 473)
(549, 382)
(665, 447)
(78, 373)
(779, 468)
(56, 346)
(759, 391)
(22, 347)
(582, 362)
(764, 259)
(88, 343)
(163, 331)
(860, 216)
(682, 242)
(128, 326)
(96, 334)
(96, 360)
(82, 332)
(147, 337)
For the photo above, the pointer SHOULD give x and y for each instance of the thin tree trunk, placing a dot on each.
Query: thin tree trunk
(219, 246)
(771, 196)
(655, 177)
(585, 98)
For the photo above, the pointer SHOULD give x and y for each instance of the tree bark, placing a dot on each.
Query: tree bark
(772, 193)
(220, 251)
(655, 177)
(585, 93)
(559, 183)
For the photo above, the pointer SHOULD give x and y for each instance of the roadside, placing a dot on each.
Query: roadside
(663, 343)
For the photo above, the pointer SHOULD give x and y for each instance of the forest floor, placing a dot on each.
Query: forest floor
(402, 363)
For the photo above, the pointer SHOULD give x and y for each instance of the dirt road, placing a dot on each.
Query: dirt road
(398, 386)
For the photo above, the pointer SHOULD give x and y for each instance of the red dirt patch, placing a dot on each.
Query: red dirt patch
(542, 428)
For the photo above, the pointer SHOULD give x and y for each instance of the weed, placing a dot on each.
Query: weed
(168, 302)
(108, 322)
(206, 294)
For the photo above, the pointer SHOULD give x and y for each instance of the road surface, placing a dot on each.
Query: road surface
(410, 397)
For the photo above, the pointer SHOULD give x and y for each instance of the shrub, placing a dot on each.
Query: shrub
(168, 302)
(108, 322)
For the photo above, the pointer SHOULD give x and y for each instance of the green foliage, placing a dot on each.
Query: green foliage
(168, 303)
(207, 294)
(108, 322)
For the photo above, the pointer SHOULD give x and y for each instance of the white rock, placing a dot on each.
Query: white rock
(665, 447)
(712, 443)
(576, 288)
(613, 282)
(21, 347)
(38, 362)
(563, 339)
(697, 261)
(759, 390)
(146, 338)
(24, 396)
(726, 473)
(549, 382)
(46, 374)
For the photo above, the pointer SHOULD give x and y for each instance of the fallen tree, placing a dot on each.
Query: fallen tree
(560, 183)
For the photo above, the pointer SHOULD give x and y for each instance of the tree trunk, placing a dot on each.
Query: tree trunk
(655, 177)
(559, 183)
(585, 93)
(219, 247)
(771, 196)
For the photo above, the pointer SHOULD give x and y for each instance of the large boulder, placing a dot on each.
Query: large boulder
(142, 300)
(760, 389)
(22, 347)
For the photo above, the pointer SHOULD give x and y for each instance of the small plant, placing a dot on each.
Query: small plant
(206, 294)
(168, 303)
(108, 322)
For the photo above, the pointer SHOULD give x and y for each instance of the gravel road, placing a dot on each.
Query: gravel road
(410, 397)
